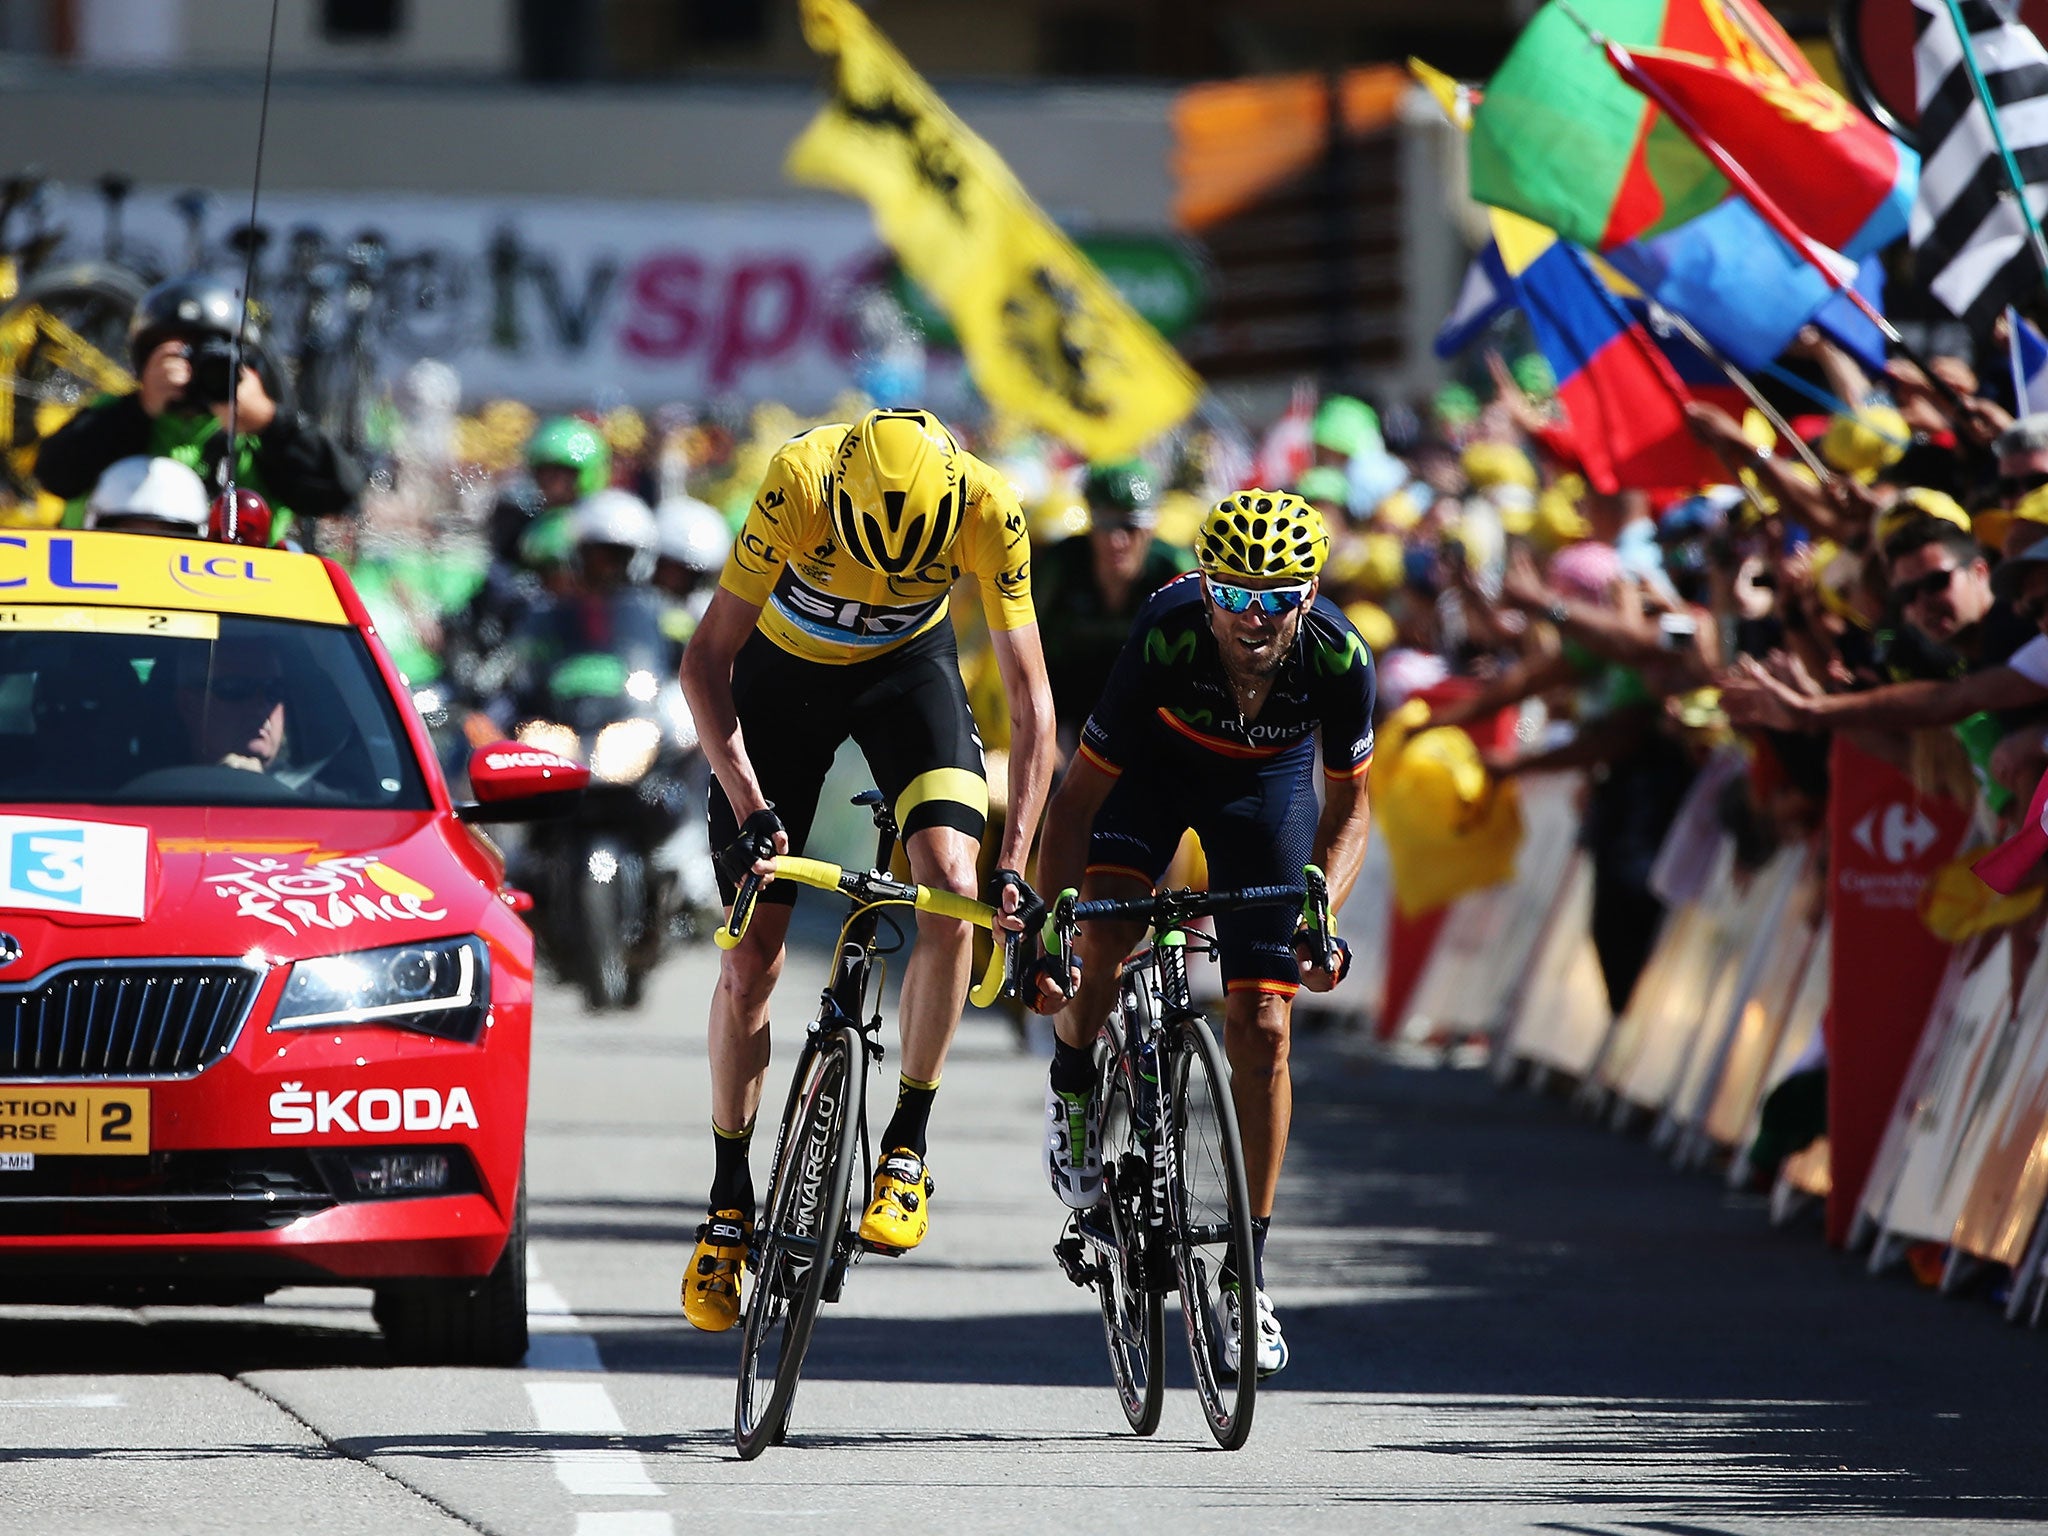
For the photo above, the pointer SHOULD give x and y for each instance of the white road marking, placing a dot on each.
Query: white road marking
(632, 1522)
(561, 1343)
(81, 1400)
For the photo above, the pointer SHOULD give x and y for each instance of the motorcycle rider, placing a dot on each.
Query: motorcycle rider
(691, 543)
(181, 344)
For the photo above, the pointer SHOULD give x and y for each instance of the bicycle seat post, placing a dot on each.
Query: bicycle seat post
(885, 825)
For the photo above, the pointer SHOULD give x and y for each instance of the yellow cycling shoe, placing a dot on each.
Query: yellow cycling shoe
(901, 1210)
(711, 1285)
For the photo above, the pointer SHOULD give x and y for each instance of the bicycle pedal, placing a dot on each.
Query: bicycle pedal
(1071, 1254)
(835, 1277)
(869, 1245)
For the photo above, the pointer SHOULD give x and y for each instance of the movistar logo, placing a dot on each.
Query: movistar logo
(1334, 660)
(1193, 716)
(1168, 653)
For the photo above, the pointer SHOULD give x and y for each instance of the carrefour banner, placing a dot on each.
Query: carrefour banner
(553, 301)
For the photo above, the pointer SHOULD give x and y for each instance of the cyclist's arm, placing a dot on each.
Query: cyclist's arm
(70, 461)
(1022, 664)
(1063, 850)
(1340, 835)
(707, 684)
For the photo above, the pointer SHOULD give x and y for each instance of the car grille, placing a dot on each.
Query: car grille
(166, 1193)
(102, 1019)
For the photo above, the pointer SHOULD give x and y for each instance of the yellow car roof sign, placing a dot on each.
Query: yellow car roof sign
(122, 570)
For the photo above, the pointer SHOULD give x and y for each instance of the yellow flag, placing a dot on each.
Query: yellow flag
(1045, 334)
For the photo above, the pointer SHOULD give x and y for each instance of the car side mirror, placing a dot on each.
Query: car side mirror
(515, 782)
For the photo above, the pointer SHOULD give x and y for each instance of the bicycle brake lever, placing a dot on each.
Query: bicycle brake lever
(727, 935)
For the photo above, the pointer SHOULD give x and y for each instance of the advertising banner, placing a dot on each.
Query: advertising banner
(558, 302)
(1885, 840)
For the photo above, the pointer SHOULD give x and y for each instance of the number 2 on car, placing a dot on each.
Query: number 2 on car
(75, 1122)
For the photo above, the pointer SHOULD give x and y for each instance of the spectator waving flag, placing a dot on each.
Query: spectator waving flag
(1970, 240)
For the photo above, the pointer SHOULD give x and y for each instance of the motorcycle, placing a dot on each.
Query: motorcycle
(606, 880)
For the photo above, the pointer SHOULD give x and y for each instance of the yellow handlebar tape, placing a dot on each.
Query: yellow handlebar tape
(826, 877)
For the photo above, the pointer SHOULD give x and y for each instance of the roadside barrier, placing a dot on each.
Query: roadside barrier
(1936, 1056)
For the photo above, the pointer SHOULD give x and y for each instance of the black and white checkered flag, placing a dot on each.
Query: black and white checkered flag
(1971, 246)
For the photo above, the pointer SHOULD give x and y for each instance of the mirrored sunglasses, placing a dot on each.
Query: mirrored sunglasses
(1269, 600)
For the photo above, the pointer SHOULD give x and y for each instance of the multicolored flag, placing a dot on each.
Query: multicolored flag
(1560, 136)
(1044, 333)
(1624, 399)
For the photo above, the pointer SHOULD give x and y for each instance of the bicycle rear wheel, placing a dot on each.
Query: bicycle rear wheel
(795, 1246)
(1133, 1313)
(1209, 1221)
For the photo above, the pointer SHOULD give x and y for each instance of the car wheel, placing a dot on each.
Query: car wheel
(461, 1322)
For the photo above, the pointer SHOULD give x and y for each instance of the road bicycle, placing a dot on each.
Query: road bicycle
(808, 1234)
(1175, 1212)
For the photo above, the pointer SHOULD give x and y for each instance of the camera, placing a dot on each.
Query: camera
(213, 374)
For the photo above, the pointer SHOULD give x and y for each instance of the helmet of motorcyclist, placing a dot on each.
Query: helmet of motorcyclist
(570, 443)
(897, 497)
(1262, 533)
(188, 308)
(614, 517)
(692, 534)
(145, 495)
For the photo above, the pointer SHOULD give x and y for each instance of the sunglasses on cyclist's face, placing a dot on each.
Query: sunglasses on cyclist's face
(1907, 593)
(2013, 487)
(1270, 601)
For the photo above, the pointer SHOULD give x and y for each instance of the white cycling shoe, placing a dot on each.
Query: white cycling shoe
(1272, 1346)
(1073, 1147)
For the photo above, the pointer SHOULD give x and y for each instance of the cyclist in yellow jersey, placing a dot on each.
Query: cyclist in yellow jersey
(829, 623)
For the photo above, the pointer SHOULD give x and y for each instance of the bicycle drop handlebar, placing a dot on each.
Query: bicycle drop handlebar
(868, 888)
(1173, 909)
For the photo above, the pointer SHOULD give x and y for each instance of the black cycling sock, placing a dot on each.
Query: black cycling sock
(1073, 1067)
(1260, 1226)
(732, 1181)
(913, 1109)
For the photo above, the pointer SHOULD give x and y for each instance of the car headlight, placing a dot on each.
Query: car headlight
(550, 737)
(624, 751)
(440, 988)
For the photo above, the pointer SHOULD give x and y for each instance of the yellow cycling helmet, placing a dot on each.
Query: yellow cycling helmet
(1262, 533)
(896, 494)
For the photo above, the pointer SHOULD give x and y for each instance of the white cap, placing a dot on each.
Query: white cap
(691, 533)
(614, 517)
(162, 489)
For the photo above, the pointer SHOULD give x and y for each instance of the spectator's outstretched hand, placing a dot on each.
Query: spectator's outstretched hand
(1528, 417)
(1521, 584)
(1753, 697)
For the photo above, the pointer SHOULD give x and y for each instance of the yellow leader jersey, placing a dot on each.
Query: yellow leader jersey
(820, 603)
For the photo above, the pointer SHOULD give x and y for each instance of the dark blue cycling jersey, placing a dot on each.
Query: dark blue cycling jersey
(1169, 693)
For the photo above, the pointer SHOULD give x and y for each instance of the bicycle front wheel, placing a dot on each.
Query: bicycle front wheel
(1133, 1312)
(796, 1245)
(1209, 1222)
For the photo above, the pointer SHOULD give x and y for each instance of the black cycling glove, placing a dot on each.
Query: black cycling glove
(1029, 908)
(756, 841)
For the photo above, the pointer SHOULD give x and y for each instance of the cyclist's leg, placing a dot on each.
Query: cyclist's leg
(791, 731)
(1134, 838)
(1261, 834)
(914, 726)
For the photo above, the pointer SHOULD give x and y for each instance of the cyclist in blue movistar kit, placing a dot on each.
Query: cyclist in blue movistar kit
(1209, 721)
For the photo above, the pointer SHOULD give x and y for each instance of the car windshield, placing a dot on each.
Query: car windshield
(107, 706)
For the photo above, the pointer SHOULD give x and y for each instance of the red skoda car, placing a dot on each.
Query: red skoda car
(265, 999)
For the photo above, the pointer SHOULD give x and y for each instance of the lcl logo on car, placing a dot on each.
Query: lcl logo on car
(10, 949)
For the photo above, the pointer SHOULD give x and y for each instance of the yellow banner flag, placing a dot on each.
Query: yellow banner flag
(1046, 336)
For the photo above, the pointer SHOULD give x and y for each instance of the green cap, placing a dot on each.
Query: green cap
(1345, 425)
(572, 444)
(1120, 495)
(549, 542)
(1324, 482)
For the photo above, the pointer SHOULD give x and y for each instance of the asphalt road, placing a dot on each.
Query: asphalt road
(1502, 1319)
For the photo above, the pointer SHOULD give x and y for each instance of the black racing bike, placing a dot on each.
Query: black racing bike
(1175, 1212)
(808, 1234)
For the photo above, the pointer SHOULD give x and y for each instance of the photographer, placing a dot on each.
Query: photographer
(182, 344)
